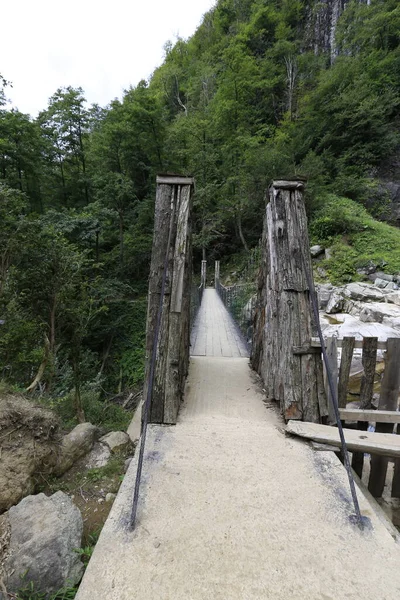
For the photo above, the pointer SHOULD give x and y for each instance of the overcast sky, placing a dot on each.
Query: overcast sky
(101, 45)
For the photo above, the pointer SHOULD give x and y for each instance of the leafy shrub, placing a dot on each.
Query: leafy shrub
(338, 216)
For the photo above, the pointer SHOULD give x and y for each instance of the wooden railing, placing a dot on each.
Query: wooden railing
(386, 416)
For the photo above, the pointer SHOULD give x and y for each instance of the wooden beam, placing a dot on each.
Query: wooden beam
(358, 344)
(388, 400)
(288, 185)
(332, 355)
(384, 444)
(174, 180)
(376, 416)
(344, 371)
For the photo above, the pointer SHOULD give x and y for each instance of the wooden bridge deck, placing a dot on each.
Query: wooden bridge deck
(214, 331)
(231, 509)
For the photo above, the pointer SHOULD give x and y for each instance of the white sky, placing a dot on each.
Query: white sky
(102, 46)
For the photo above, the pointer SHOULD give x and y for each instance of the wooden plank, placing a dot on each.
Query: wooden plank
(324, 447)
(375, 416)
(344, 370)
(388, 400)
(396, 476)
(288, 185)
(369, 351)
(358, 344)
(375, 443)
(176, 358)
(174, 180)
(181, 243)
(331, 351)
(370, 347)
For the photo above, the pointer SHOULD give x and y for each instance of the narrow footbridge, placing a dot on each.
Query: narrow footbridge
(230, 508)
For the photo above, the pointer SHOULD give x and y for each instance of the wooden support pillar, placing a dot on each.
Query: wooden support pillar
(172, 238)
(388, 400)
(290, 367)
(217, 271)
(204, 273)
(369, 351)
(332, 354)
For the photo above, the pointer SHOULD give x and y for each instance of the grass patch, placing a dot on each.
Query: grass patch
(355, 239)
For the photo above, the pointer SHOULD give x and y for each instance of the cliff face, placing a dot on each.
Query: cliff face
(321, 22)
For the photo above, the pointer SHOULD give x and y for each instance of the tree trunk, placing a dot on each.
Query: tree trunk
(53, 324)
(121, 239)
(240, 231)
(42, 367)
(80, 413)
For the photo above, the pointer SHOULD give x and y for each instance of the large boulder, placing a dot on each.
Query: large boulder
(394, 298)
(116, 440)
(29, 442)
(324, 292)
(363, 292)
(76, 444)
(45, 533)
(97, 457)
(378, 312)
(335, 302)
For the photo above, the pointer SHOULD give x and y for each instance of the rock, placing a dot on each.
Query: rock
(23, 427)
(116, 440)
(379, 313)
(98, 456)
(45, 533)
(335, 303)
(384, 276)
(392, 286)
(316, 251)
(328, 253)
(76, 444)
(110, 497)
(321, 272)
(364, 292)
(393, 298)
(368, 270)
(381, 283)
(323, 291)
(127, 463)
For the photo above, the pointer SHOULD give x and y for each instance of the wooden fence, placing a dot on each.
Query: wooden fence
(386, 416)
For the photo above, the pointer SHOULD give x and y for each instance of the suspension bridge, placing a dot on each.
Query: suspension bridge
(229, 506)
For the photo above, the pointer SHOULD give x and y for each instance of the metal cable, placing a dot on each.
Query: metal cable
(151, 374)
(332, 388)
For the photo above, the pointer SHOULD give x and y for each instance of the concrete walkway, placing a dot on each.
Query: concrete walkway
(231, 509)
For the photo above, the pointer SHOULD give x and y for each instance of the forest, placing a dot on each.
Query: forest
(259, 91)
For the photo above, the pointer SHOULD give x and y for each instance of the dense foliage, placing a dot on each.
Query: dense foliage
(253, 95)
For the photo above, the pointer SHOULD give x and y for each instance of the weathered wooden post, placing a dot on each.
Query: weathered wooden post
(389, 399)
(217, 272)
(172, 238)
(282, 351)
(203, 274)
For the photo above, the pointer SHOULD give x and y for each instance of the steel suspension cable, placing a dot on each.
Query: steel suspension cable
(332, 389)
